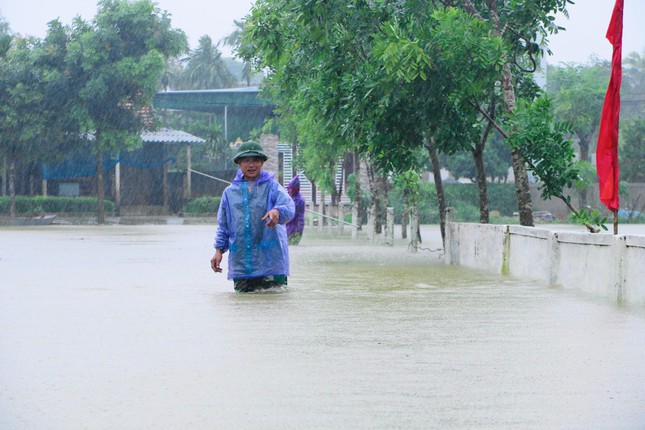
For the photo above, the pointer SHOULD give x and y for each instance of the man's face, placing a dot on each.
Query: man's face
(251, 167)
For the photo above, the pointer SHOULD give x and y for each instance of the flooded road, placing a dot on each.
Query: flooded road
(127, 327)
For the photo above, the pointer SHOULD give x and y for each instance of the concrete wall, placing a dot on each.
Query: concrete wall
(599, 264)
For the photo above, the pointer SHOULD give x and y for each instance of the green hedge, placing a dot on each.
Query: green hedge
(38, 205)
(202, 205)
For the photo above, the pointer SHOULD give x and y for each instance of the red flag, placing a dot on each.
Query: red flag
(607, 149)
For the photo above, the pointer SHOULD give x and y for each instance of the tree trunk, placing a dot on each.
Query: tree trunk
(478, 155)
(441, 197)
(382, 193)
(100, 189)
(481, 186)
(335, 192)
(584, 156)
(358, 194)
(32, 179)
(3, 178)
(377, 199)
(522, 189)
(404, 220)
(583, 143)
(12, 188)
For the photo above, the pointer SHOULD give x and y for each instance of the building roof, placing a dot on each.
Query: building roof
(168, 135)
(241, 109)
(212, 100)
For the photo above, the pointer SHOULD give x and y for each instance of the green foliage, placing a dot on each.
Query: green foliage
(38, 205)
(410, 182)
(543, 145)
(632, 150)
(587, 176)
(633, 86)
(463, 198)
(215, 153)
(116, 62)
(383, 76)
(205, 68)
(497, 161)
(202, 205)
(590, 218)
(578, 92)
(351, 191)
(30, 120)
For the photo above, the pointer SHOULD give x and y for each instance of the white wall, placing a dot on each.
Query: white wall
(599, 264)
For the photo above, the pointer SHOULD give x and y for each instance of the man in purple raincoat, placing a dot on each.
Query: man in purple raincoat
(251, 222)
(296, 226)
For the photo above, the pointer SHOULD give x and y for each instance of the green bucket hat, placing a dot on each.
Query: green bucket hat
(250, 149)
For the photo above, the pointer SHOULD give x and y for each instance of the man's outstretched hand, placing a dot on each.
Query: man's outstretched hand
(273, 216)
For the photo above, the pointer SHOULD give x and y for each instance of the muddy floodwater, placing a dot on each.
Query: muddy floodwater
(127, 327)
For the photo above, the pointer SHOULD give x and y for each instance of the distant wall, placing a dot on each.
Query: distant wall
(599, 264)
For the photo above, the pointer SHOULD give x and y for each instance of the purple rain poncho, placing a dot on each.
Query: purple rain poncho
(297, 224)
(255, 250)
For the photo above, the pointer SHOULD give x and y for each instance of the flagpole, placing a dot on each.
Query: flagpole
(615, 222)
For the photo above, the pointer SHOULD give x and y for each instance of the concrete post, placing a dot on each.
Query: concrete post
(506, 252)
(618, 279)
(354, 221)
(553, 254)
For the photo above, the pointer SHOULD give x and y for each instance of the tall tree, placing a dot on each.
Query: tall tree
(6, 38)
(520, 24)
(426, 55)
(329, 70)
(32, 96)
(19, 103)
(117, 62)
(578, 92)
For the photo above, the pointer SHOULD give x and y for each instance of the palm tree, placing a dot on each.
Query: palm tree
(234, 40)
(205, 68)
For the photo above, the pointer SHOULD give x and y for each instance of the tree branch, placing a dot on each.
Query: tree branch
(481, 110)
(470, 8)
(566, 201)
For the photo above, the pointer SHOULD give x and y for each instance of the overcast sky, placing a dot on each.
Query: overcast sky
(585, 34)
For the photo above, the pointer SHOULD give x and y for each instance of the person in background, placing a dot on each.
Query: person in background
(251, 222)
(296, 226)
